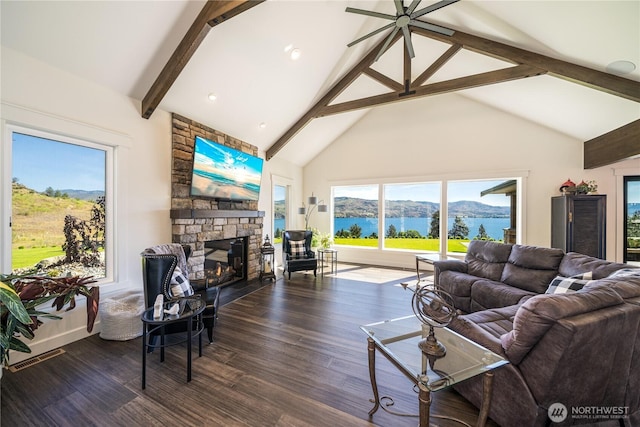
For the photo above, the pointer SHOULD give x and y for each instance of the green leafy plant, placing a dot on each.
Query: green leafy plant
(20, 297)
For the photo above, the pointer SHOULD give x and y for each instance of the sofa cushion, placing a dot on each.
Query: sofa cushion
(531, 267)
(538, 314)
(496, 321)
(489, 294)
(485, 330)
(574, 263)
(625, 272)
(628, 287)
(487, 259)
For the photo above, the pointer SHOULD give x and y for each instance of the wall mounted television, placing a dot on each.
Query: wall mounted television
(225, 173)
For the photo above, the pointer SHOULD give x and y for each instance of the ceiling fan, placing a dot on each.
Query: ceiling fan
(404, 17)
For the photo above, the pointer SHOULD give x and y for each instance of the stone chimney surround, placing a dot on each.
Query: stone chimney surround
(195, 220)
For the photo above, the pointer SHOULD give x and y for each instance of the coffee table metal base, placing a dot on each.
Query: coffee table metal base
(424, 394)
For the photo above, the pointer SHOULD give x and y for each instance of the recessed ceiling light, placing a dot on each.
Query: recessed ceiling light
(295, 54)
(288, 47)
(212, 97)
(262, 125)
(621, 67)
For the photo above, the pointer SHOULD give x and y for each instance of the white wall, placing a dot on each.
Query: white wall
(33, 94)
(38, 96)
(451, 136)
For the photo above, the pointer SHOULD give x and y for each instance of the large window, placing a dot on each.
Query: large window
(415, 220)
(355, 215)
(477, 210)
(60, 219)
(632, 219)
(412, 216)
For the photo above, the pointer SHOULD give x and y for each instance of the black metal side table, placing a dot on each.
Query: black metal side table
(189, 308)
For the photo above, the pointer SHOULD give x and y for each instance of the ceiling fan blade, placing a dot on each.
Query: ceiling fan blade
(387, 43)
(370, 13)
(433, 7)
(399, 6)
(413, 6)
(431, 27)
(407, 40)
(386, 27)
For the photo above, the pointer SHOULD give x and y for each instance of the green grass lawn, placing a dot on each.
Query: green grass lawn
(28, 257)
(418, 245)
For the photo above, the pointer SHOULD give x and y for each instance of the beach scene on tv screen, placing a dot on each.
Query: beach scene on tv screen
(225, 173)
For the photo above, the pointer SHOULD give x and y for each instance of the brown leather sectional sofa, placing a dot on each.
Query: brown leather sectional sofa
(579, 349)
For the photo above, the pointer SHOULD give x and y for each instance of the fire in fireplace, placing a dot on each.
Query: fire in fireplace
(224, 260)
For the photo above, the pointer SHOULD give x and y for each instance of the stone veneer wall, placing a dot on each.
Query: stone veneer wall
(196, 220)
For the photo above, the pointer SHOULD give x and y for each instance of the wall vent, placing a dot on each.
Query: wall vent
(35, 360)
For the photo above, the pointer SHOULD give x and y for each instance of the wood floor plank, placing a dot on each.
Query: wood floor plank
(287, 354)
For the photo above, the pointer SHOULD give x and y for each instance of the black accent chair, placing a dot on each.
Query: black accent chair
(157, 270)
(298, 261)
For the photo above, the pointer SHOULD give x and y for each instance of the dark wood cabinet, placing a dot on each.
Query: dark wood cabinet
(578, 224)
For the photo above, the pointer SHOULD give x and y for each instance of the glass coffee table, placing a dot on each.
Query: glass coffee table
(398, 339)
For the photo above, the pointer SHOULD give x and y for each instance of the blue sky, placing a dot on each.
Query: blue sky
(463, 190)
(39, 163)
(633, 193)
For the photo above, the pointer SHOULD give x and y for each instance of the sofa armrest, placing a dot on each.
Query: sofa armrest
(451, 265)
(448, 265)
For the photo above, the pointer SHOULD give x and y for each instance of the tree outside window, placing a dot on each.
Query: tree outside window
(58, 206)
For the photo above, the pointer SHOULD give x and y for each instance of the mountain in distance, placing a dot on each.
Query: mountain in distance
(633, 208)
(349, 207)
(83, 194)
(278, 209)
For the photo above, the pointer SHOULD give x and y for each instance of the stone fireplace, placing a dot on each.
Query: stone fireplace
(199, 221)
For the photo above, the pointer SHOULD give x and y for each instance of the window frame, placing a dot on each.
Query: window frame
(625, 215)
(379, 191)
(520, 177)
(110, 193)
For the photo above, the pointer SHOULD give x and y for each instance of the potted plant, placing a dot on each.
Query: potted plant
(326, 241)
(20, 298)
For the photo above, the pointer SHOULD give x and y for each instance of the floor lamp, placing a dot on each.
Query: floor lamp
(313, 204)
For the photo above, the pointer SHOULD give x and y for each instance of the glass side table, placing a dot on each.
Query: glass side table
(398, 341)
(330, 256)
(190, 308)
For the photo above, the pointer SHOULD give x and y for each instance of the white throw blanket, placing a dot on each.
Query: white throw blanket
(172, 249)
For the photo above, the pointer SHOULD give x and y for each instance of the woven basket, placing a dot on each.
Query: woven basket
(120, 317)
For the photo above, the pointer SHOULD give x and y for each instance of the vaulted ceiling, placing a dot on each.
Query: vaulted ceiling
(243, 60)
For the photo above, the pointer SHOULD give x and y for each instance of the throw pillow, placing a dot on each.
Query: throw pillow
(626, 272)
(297, 249)
(563, 285)
(179, 285)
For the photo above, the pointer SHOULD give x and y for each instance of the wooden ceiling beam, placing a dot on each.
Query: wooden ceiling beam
(213, 13)
(468, 82)
(336, 90)
(609, 83)
(381, 78)
(439, 63)
(527, 64)
(619, 144)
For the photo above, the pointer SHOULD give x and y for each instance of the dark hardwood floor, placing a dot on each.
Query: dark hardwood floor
(290, 353)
